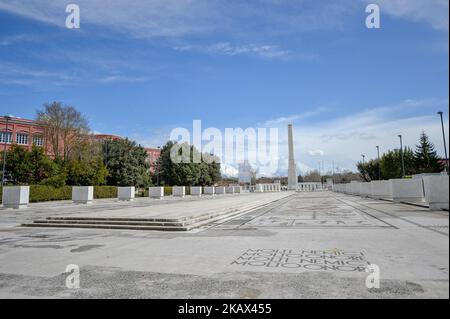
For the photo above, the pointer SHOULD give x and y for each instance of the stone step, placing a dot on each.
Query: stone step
(105, 226)
(182, 224)
(108, 222)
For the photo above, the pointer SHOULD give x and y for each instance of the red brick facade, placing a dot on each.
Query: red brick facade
(27, 133)
(22, 132)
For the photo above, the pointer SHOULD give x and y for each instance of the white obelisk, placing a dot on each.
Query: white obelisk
(292, 170)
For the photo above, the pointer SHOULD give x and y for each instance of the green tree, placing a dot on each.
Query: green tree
(391, 163)
(127, 163)
(19, 169)
(42, 166)
(369, 170)
(86, 172)
(188, 173)
(24, 167)
(426, 158)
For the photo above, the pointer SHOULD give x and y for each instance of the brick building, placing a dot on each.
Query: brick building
(26, 133)
(22, 132)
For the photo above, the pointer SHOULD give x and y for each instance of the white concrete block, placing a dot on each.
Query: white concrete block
(196, 191)
(381, 190)
(229, 190)
(436, 191)
(16, 196)
(82, 194)
(355, 188)
(126, 193)
(348, 189)
(407, 190)
(237, 189)
(210, 190)
(156, 192)
(366, 189)
(178, 191)
(220, 190)
(259, 188)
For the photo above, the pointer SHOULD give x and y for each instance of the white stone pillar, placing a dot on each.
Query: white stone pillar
(436, 191)
(355, 188)
(381, 190)
(210, 190)
(229, 190)
(16, 197)
(179, 191)
(196, 191)
(156, 192)
(220, 190)
(82, 194)
(126, 193)
(407, 190)
(366, 189)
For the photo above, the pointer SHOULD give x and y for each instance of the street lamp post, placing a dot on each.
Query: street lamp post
(379, 162)
(401, 152)
(445, 144)
(4, 150)
(157, 167)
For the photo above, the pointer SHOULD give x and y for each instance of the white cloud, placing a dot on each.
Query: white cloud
(343, 139)
(178, 18)
(226, 48)
(316, 153)
(123, 79)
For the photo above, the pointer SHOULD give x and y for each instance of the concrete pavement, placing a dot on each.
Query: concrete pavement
(308, 245)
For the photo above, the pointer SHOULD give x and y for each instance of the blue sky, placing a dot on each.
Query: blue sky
(140, 68)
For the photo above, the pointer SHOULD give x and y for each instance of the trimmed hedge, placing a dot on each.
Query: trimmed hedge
(167, 190)
(105, 192)
(44, 193)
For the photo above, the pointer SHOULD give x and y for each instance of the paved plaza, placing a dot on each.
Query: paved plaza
(280, 245)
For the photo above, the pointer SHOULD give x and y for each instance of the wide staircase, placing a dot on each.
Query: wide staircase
(179, 223)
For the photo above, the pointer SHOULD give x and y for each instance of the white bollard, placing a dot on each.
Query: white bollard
(229, 190)
(407, 190)
(210, 190)
(82, 194)
(179, 191)
(126, 193)
(196, 191)
(436, 191)
(156, 192)
(366, 189)
(259, 188)
(16, 197)
(381, 190)
(355, 188)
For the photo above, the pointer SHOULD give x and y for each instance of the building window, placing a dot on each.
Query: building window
(5, 137)
(38, 140)
(22, 139)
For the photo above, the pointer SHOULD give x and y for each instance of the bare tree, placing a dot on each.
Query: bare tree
(65, 127)
(313, 176)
